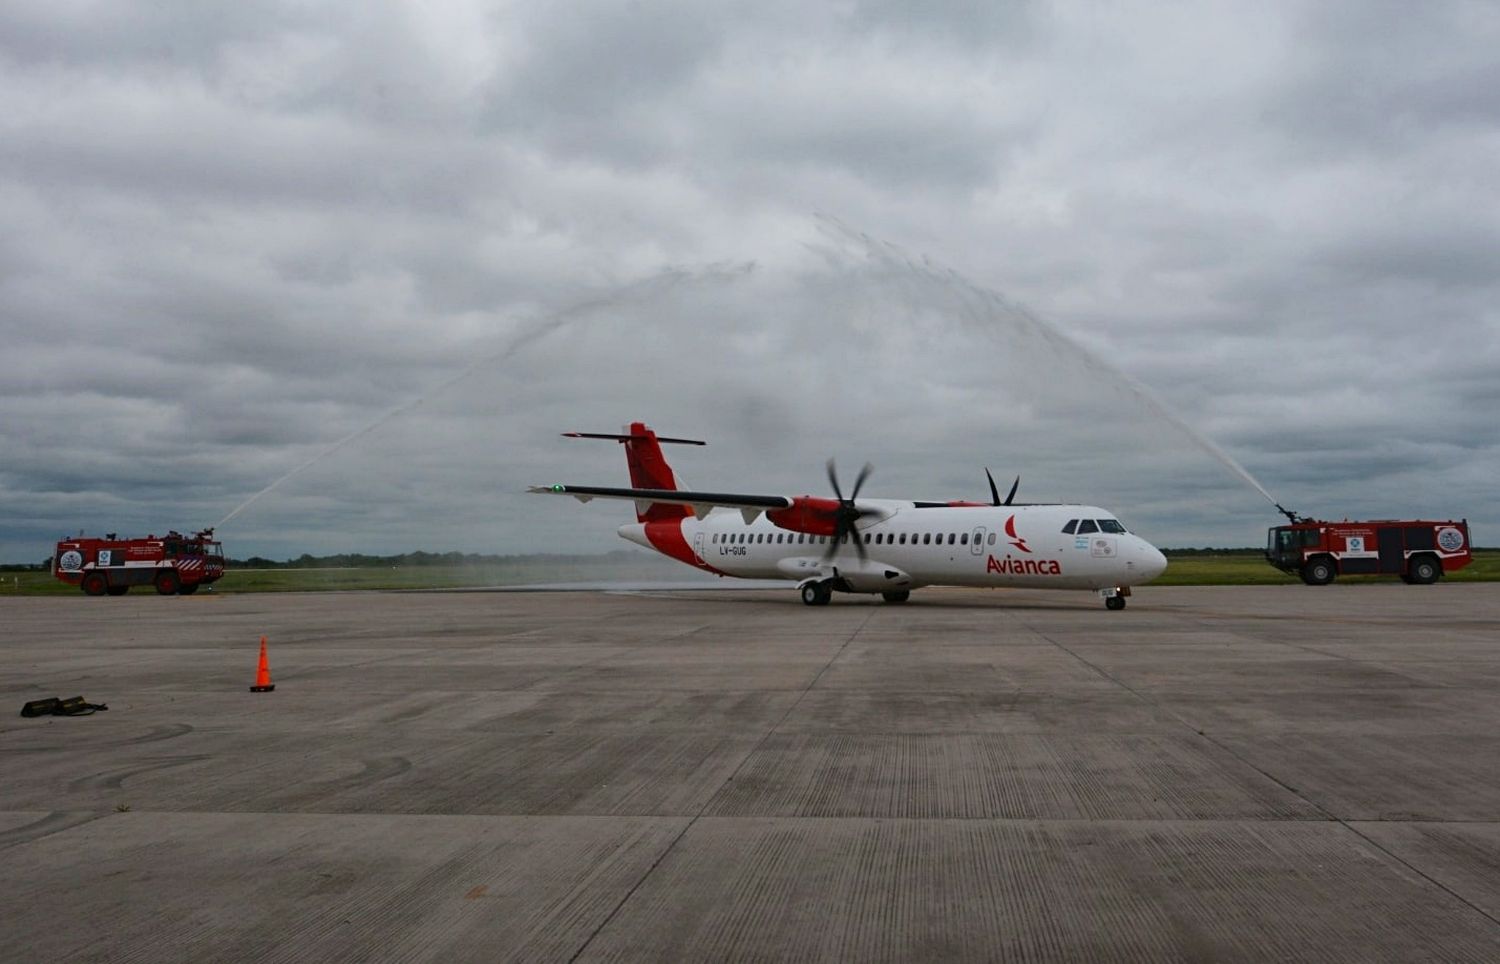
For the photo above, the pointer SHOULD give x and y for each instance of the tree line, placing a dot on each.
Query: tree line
(360, 560)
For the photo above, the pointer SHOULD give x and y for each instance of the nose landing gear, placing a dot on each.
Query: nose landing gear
(1115, 598)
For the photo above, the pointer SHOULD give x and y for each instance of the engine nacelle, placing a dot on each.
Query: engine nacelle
(848, 575)
(810, 514)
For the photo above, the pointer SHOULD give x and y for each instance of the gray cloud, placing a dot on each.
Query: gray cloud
(235, 236)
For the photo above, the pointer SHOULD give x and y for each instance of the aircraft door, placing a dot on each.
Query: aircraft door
(976, 541)
(698, 546)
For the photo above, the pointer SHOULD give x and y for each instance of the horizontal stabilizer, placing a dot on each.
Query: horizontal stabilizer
(631, 438)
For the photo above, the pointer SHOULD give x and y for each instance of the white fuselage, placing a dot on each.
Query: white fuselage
(908, 546)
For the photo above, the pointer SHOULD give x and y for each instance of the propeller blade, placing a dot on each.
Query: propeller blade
(859, 481)
(1013, 487)
(994, 492)
(833, 546)
(847, 513)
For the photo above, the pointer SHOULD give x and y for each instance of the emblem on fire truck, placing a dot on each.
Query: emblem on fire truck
(70, 560)
(1450, 539)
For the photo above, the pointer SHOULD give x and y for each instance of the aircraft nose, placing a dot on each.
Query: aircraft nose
(1152, 562)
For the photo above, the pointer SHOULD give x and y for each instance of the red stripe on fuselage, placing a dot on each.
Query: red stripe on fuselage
(668, 539)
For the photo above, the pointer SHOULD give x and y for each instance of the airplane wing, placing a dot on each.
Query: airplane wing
(700, 502)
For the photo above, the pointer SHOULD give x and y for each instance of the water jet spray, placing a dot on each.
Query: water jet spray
(639, 291)
(986, 310)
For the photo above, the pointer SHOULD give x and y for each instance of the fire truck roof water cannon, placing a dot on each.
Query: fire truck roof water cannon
(1419, 551)
(174, 564)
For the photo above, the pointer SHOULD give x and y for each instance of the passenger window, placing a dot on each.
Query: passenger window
(1087, 525)
(991, 539)
(963, 540)
(926, 538)
(1071, 527)
(950, 538)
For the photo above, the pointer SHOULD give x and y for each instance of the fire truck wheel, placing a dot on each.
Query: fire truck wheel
(94, 584)
(118, 590)
(1318, 572)
(187, 590)
(167, 582)
(1425, 570)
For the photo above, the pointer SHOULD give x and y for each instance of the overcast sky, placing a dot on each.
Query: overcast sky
(236, 235)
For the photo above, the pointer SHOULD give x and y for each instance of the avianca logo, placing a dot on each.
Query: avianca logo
(1023, 567)
(1015, 540)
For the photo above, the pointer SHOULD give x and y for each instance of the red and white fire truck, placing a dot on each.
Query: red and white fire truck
(1419, 551)
(173, 563)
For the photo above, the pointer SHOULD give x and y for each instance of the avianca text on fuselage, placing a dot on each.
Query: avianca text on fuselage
(862, 545)
(1024, 567)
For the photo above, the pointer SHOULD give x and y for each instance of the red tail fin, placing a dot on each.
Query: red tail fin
(648, 467)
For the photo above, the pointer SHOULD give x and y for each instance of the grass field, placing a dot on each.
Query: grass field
(1184, 570)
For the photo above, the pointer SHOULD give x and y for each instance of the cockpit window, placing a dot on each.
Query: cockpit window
(1071, 526)
(1110, 525)
(1087, 525)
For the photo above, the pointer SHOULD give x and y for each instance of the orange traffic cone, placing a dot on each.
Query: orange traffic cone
(263, 682)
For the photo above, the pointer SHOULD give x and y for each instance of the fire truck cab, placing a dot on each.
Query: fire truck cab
(1418, 551)
(173, 563)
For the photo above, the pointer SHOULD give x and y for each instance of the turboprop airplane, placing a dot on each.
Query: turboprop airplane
(881, 546)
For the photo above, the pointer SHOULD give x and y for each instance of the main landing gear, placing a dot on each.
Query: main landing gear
(817, 593)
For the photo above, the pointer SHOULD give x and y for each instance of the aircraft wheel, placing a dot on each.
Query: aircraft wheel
(167, 582)
(899, 596)
(94, 584)
(816, 594)
(1115, 602)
